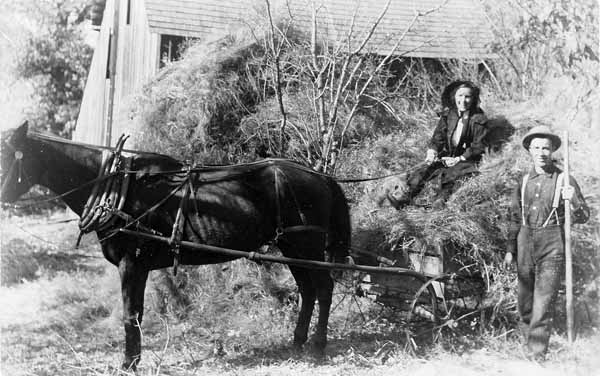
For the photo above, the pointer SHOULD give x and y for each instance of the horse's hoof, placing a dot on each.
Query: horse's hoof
(297, 347)
(318, 347)
(318, 352)
(129, 366)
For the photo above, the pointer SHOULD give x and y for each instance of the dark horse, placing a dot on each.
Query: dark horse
(238, 207)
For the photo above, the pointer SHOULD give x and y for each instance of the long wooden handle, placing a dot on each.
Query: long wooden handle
(568, 256)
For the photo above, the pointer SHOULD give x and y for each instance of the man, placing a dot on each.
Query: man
(536, 235)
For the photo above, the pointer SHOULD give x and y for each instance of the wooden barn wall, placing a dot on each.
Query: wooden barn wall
(91, 121)
(137, 63)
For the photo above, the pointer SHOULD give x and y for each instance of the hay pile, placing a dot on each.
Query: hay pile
(194, 106)
(472, 227)
(216, 105)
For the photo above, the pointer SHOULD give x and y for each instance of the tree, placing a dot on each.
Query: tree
(539, 39)
(337, 78)
(56, 59)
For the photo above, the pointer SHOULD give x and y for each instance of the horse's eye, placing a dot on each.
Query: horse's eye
(396, 187)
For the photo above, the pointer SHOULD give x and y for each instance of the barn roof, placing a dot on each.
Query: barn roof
(454, 29)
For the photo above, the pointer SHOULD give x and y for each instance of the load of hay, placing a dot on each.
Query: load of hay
(212, 107)
(192, 109)
(469, 232)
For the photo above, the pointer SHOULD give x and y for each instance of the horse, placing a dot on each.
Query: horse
(241, 207)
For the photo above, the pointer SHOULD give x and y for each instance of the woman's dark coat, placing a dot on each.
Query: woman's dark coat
(471, 145)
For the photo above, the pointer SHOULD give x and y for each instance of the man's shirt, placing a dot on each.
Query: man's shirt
(537, 205)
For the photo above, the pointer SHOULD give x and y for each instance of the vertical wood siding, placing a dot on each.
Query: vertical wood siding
(137, 62)
(91, 121)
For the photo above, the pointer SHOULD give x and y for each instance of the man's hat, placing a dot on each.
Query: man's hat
(541, 131)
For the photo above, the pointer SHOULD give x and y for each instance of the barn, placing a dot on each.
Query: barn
(135, 38)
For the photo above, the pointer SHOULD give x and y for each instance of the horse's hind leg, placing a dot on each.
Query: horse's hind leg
(313, 284)
(323, 283)
(133, 284)
(308, 294)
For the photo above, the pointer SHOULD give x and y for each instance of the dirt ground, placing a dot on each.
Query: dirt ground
(60, 315)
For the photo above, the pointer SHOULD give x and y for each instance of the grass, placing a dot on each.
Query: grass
(68, 322)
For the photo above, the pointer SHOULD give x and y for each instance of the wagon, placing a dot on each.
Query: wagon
(431, 287)
(427, 288)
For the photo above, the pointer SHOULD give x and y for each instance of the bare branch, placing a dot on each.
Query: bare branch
(382, 63)
(277, 56)
(320, 102)
(369, 34)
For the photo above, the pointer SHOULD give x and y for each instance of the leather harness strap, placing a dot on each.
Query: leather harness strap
(108, 195)
(281, 229)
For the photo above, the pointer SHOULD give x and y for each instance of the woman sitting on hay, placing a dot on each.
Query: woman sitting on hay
(454, 150)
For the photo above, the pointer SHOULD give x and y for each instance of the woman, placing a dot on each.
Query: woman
(457, 143)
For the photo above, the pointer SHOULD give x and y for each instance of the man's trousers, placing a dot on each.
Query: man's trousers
(540, 266)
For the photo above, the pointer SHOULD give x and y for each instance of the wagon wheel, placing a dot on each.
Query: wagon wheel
(424, 303)
(423, 314)
(351, 300)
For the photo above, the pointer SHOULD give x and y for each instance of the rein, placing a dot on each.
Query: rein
(62, 195)
(269, 162)
(201, 169)
(17, 163)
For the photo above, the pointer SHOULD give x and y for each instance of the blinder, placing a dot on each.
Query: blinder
(17, 164)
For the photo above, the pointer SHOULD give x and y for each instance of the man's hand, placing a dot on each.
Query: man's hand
(431, 156)
(568, 192)
(508, 259)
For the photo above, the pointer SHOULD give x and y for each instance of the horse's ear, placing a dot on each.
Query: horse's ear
(21, 131)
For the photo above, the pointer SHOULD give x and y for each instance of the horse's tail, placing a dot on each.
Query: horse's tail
(339, 225)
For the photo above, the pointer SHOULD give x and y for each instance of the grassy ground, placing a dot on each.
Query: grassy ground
(60, 314)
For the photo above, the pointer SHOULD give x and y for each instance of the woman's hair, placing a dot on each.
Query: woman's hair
(450, 91)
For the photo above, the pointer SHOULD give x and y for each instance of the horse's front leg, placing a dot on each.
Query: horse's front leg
(133, 283)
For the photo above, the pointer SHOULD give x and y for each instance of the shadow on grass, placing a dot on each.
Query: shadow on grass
(354, 344)
(22, 261)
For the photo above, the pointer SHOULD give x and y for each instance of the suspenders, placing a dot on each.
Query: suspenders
(555, 199)
(523, 186)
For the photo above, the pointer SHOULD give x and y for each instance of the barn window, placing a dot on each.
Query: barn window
(97, 12)
(171, 48)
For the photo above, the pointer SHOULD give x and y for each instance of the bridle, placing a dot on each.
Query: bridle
(17, 164)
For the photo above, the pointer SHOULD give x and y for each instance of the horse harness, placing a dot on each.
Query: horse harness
(109, 193)
(17, 164)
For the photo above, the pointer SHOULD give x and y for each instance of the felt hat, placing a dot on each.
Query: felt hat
(541, 131)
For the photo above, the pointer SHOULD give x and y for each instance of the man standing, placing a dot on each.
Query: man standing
(536, 235)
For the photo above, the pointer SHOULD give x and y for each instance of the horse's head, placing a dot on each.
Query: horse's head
(394, 190)
(17, 166)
